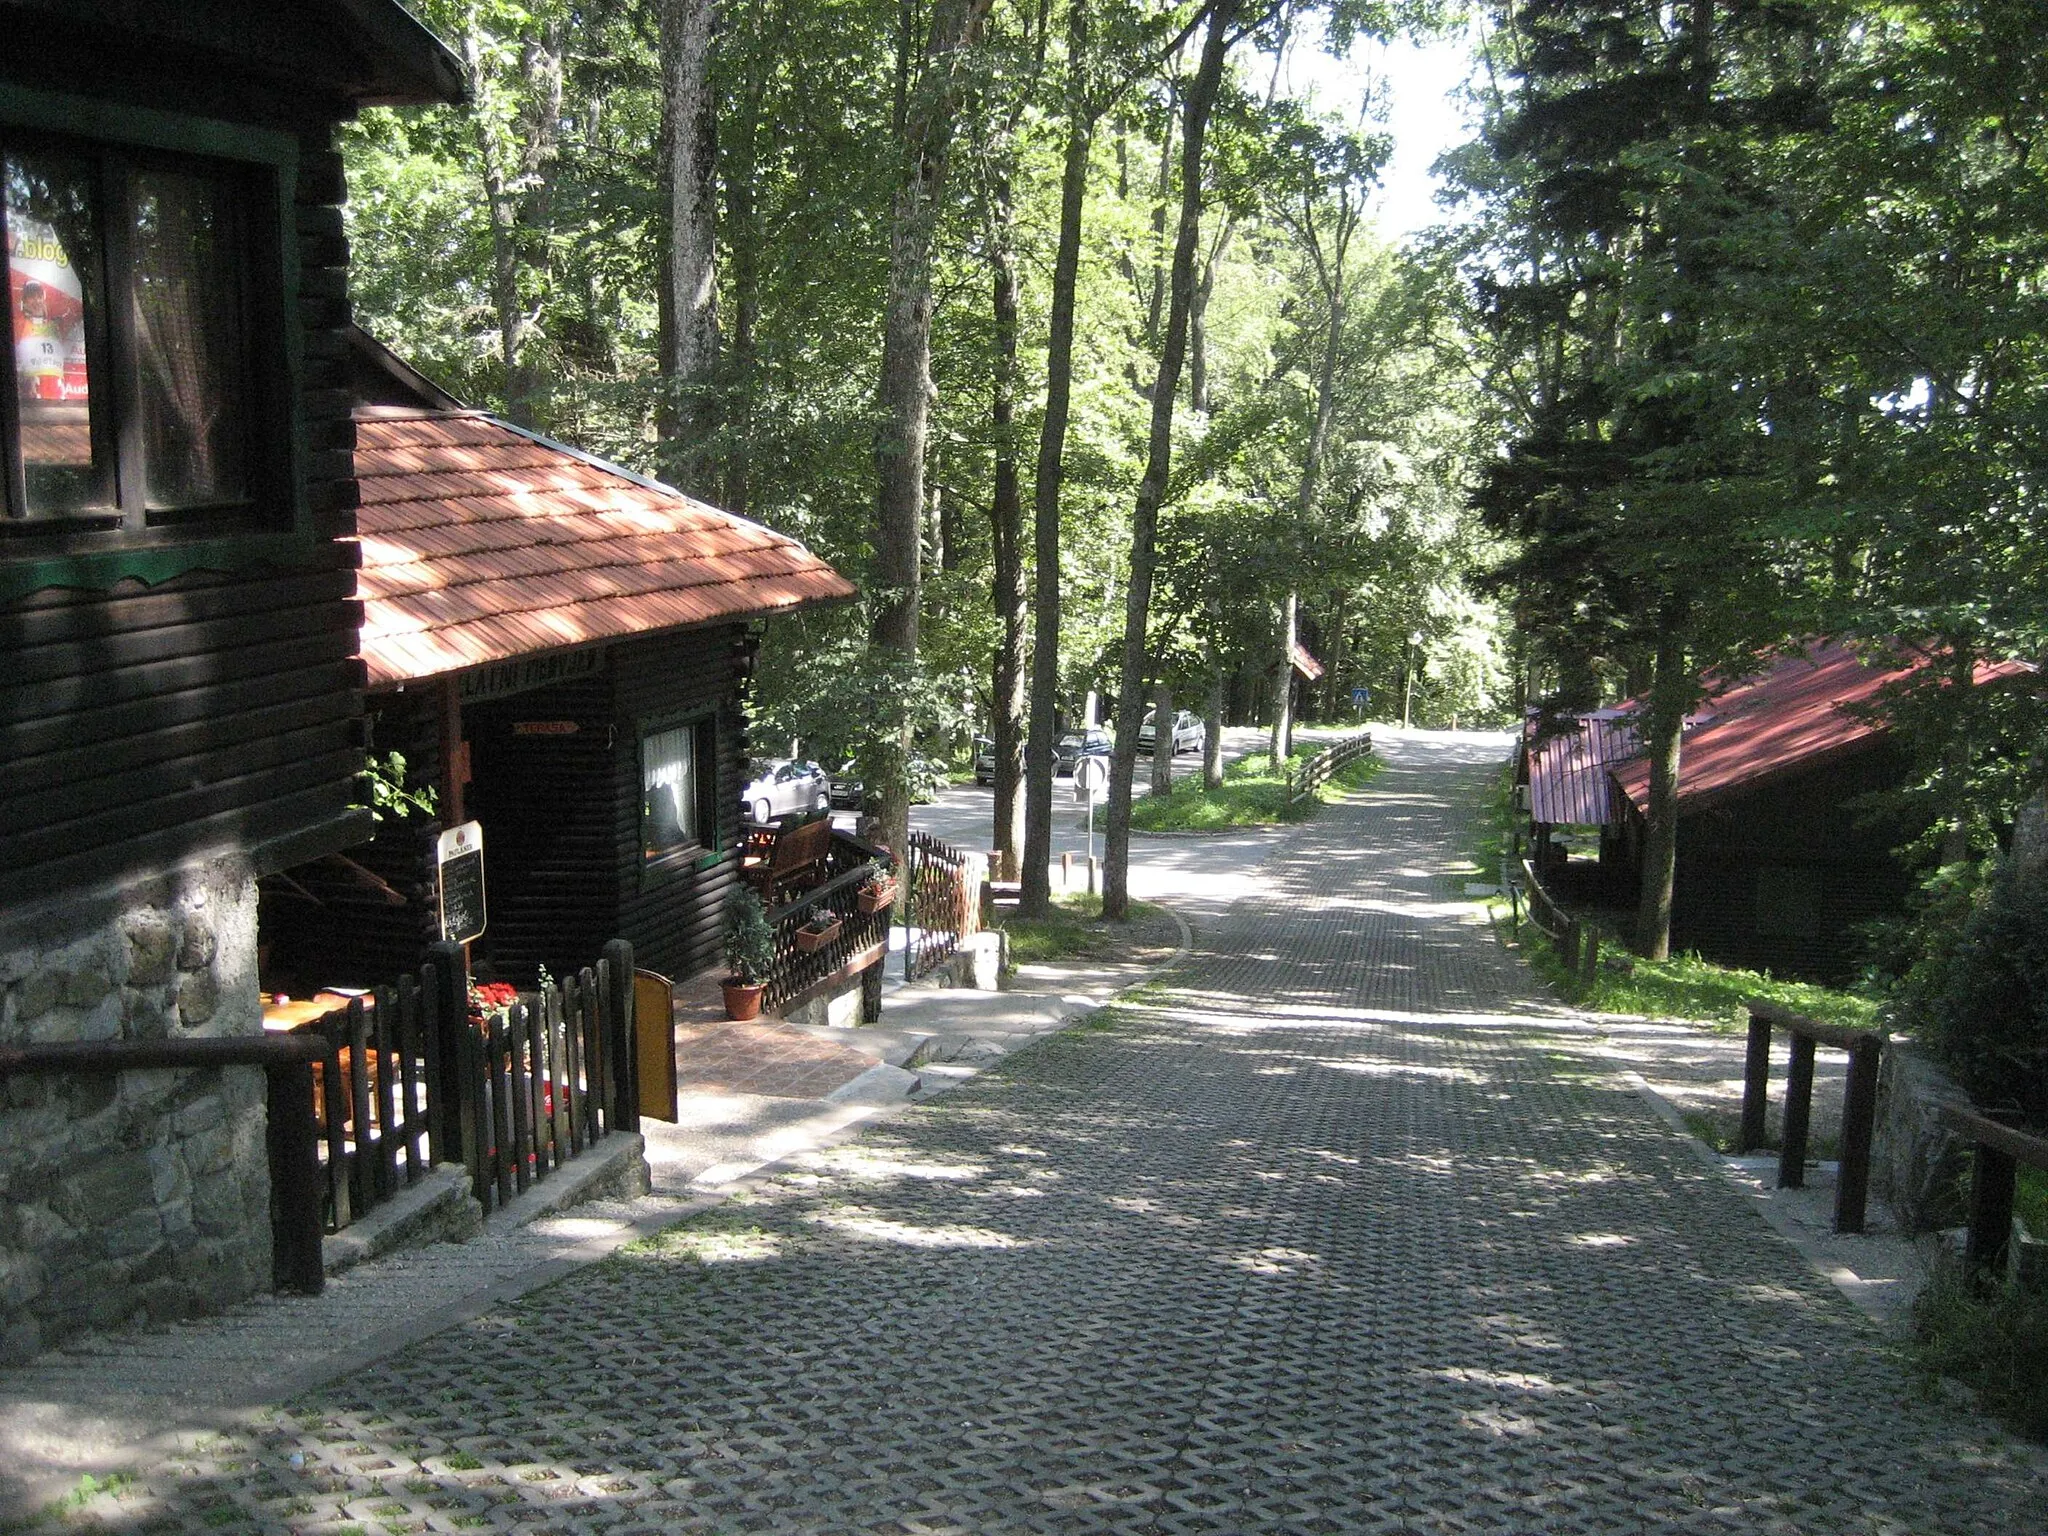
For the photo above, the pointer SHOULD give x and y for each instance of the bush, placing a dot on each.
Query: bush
(749, 940)
(1993, 1337)
(1977, 995)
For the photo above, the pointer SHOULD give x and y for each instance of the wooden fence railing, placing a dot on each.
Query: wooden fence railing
(940, 907)
(825, 931)
(1578, 942)
(537, 1082)
(1994, 1180)
(379, 1072)
(1859, 1101)
(1311, 774)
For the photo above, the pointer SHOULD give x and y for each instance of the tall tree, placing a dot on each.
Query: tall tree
(929, 103)
(689, 270)
(1200, 102)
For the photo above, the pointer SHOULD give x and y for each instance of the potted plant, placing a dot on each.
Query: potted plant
(818, 932)
(749, 954)
(879, 893)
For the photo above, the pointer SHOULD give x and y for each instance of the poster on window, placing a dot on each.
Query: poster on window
(48, 304)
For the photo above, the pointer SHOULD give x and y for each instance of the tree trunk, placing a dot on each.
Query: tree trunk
(1006, 519)
(1201, 98)
(688, 293)
(1035, 895)
(1280, 737)
(1162, 739)
(906, 389)
(1670, 690)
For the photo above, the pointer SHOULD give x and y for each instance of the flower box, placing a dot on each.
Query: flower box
(878, 897)
(817, 933)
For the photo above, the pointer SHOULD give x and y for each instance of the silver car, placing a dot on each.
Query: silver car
(783, 786)
(1187, 732)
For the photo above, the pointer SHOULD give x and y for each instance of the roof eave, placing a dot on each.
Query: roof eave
(415, 68)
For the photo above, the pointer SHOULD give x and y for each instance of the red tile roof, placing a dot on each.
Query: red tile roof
(1795, 716)
(481, 542)
(1568, 783)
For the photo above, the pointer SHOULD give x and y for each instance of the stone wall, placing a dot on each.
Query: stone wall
(147, 1194)
(1917, 1166)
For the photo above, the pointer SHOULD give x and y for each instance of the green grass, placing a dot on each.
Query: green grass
(1074, 930)
(1687, 987)
(1251, 795)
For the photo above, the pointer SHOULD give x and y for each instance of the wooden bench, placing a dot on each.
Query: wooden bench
(795, 862)
(1994, 1179)
(1859, 1101)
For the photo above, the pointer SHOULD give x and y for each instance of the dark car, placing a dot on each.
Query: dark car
(1075, 745)
(849, 791)
(984, 760)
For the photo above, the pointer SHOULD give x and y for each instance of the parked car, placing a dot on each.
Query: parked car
(1187, 732)
(984, 760)
(783, 786)
(1075, 745)
(849, 791)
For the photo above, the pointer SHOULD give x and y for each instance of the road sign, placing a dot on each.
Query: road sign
(1091, 778)
(460, 853)
(1360, 697)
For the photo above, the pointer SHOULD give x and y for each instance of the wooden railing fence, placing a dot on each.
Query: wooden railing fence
(940, 908)
(1578, 942)
(1859, 1101)
(825, 931)
(379, 1071)
(537, 1082)
(1311, 774)
(1998, 1150)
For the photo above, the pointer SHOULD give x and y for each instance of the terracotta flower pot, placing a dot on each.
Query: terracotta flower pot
(743, 999)
(814, 936)
(877, 898)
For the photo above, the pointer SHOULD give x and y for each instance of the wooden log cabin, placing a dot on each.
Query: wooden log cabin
(558, 649)
(1783, 855)
(180, 700)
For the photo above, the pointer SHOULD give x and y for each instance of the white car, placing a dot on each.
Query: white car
(783, 786)
(1187, 732)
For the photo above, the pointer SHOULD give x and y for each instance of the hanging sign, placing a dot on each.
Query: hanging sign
(460, 854)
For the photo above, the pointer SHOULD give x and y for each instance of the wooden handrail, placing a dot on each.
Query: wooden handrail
(1859, 1101)
(1994, 1179)
(287, 1061)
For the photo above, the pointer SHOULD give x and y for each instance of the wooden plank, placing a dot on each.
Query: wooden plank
(579, 1118)
(500, 1066)
(1798, 1112)
(1756, 1079)
(100, 655)
(1840, 1036)
(330, 642)
(412, 1003)
(386, 1068)
(1859, 1127)
(31, 739)
(295, 1257)
(74, 799)
(362, 1173)
(558, 1069)
(227, 729)
(1994, 1184)
(519, 1081)
(2017, 1145)
(93, 615)
(537, 1091)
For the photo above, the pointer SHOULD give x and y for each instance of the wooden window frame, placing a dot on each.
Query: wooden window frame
(703, 726)
(270, 522)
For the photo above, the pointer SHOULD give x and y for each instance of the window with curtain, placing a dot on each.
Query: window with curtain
(670, 814)
(128, 279)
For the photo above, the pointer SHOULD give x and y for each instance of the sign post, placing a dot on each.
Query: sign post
(459, 855)
(1360, 697)
(1091, 777)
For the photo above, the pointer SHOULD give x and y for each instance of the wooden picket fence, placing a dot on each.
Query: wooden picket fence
(1310, 775)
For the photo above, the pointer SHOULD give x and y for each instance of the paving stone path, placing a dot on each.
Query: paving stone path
(1338, 1229)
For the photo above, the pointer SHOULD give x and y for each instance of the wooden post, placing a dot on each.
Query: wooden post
(615, 990)
(1859, 1123)
(871, 994)
(295, 1259)
(1994, 1176)
(1798, 1113)
(1756, 1085)
(445, 1026)
(1067, 870)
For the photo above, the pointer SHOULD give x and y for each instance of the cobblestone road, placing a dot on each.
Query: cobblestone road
(1334, 1231)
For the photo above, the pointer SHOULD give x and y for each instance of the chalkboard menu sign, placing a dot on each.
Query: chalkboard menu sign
(460, 854)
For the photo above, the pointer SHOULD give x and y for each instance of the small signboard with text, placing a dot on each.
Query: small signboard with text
(459, 853)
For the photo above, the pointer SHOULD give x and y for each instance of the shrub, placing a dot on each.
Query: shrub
(1993, 1337)
(749, 940)
(1977, 994)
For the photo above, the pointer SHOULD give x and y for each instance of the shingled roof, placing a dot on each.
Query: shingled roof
(482, 542)
(1805, 711)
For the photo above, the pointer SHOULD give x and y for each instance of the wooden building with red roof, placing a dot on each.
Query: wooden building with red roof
(559, 648)
(1783, 855)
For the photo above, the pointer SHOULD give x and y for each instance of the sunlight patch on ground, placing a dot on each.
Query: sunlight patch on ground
(1274, 1261)
(856, 1222)
(1518, 1381)
(1601, 1240)
(874, 1163)
(1408, 1069)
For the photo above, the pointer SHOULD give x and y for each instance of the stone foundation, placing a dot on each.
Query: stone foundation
(1917, 1166)
(143, 1195)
